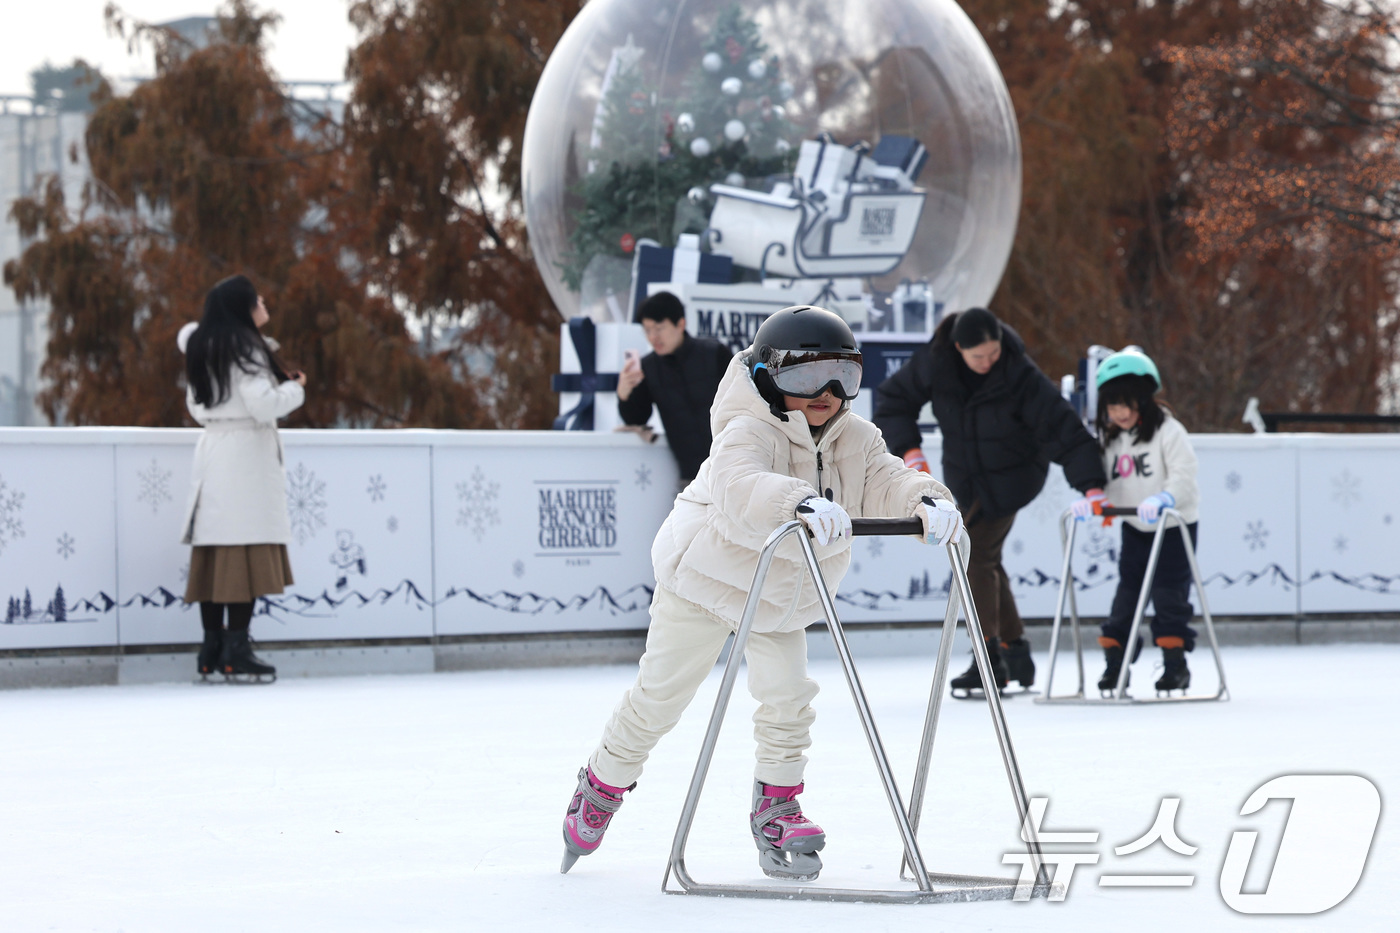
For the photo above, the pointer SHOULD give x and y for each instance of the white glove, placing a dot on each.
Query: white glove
(1149, 508)
(943, 523)
(827, 520)
(1083, 508)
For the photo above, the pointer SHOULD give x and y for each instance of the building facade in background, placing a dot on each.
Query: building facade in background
(37, 140)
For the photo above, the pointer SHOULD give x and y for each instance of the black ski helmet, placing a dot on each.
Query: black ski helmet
(793, 338)
(803, 327)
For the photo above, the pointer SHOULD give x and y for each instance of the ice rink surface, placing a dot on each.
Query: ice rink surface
(434, 802)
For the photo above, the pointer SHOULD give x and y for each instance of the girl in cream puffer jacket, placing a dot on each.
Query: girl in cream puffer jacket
(758, 471)
(765, 464)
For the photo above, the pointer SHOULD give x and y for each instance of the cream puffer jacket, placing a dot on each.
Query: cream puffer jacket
(238, 487)
(759, 470)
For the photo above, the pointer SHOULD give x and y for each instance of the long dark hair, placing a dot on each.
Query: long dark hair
(227, 337)
(1135, 391)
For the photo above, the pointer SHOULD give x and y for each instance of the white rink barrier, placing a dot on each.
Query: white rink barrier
(424, 535)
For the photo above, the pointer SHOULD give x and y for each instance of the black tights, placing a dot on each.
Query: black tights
(240, 615)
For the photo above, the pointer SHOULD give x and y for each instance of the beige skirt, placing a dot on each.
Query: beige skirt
(237, 573)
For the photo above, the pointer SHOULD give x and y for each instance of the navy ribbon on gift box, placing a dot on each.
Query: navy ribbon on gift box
(587, 381)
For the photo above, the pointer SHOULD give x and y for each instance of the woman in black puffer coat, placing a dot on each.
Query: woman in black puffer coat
(1003, 422)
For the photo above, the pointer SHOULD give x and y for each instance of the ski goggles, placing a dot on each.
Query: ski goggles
(808, 374)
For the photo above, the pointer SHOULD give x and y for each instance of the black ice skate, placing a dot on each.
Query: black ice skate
(1020, 667)
(968, 684)
(1176, 675)
(1113, 663)
(239, 663)
(207, 662)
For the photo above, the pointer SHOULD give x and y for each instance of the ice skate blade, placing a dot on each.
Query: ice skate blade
(246, 680)
(569, 859)
(790, 866)
(978, 693)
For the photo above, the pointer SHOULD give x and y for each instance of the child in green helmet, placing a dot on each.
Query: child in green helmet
(1150, 464)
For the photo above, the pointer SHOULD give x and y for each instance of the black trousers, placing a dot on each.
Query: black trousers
(1170, 597)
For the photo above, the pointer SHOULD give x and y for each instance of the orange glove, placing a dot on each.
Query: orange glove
(914, 458)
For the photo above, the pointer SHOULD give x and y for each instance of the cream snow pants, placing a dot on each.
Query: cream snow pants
(683, 644)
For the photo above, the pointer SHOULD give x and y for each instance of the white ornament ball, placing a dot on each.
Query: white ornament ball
(785, 90)
(734, 130)
(758, 68)
(735, 179)
(699, 147)
(778, 112)
(711, 62)
(781, 146)
(685, 123)
(695, 195)
(731, 86)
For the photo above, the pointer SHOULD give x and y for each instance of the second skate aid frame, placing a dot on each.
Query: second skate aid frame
(1068, 527)
(930, 886)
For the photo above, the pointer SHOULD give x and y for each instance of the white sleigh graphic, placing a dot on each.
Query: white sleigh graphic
(845, 213)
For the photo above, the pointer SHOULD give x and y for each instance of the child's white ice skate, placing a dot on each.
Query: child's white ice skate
(787, 841)
(588, 816)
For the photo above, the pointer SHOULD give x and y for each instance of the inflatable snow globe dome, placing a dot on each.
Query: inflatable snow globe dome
(870, 147)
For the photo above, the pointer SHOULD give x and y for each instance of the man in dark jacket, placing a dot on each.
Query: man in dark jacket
(1002, 422)
(679, 377)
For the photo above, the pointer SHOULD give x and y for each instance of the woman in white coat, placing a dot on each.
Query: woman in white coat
(236, 516)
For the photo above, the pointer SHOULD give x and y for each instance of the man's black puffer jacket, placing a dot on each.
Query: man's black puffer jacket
(682, 385)
(999, 438)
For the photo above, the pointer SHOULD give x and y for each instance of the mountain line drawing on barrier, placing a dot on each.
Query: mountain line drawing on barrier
(921, 590)
(634, 598)
(22, 609)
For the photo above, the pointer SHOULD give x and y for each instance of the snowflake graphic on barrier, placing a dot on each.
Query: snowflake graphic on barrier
(1047, 506)
(1256, 535)
(876, 547)
(1339, 544)
(475, 499)
(66, 545)
(518, 568)
(393, 524)
(11, 502)
(1233, 481)
(1018, 546)
(644, 476)
(306, 502)
(1346, 489)
(155, 486)
(376, 488)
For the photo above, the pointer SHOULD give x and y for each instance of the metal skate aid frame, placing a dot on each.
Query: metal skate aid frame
(1068, 527)
(930, 887)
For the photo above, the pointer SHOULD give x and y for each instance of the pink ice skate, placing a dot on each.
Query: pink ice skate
(787, 841)
(588, 816)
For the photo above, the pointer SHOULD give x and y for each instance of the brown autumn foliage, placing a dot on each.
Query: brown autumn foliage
(1207, 178)
(433, 135)
(1145, 220)
(349, 231)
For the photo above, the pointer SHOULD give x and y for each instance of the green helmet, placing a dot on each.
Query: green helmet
(1129, 362)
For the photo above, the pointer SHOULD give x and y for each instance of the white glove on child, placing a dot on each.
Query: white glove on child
(943, 523)
(1083, 508)
(827, 520)
(1150, 508)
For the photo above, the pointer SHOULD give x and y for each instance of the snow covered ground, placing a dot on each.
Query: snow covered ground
(433, 802)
